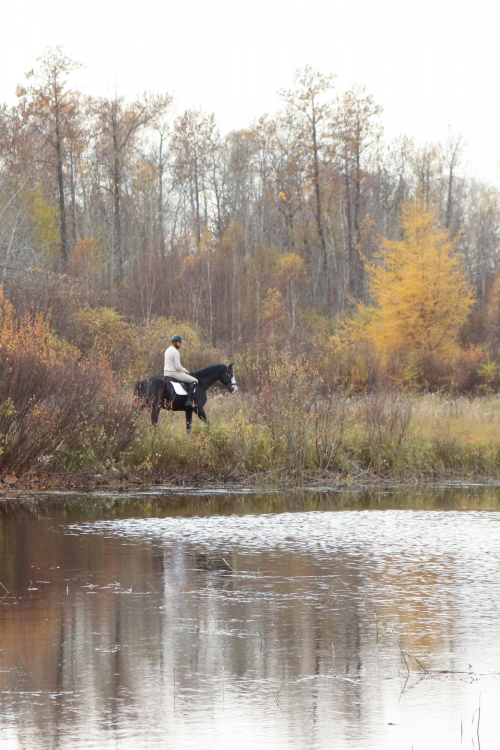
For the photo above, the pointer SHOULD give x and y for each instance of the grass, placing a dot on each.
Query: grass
(294, 434)
(340, 439)
(468, 420)
(463, 434)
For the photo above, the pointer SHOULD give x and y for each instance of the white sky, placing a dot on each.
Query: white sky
(432, 65)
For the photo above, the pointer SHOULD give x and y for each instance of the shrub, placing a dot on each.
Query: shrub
(103, 329)
(378, 428)
(52, 404)
(284, 394)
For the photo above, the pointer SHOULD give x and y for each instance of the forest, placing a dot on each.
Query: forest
(353, 282)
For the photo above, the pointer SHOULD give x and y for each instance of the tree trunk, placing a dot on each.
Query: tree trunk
(197, 206)
(359, 269)
(351, 259)
(74, 232)
(117, 244)
(161, 217)
(60, 186)
(319, 218)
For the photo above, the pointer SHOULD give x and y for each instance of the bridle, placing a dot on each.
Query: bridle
(232, 386)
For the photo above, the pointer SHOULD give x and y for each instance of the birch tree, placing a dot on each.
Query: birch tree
(49, 112)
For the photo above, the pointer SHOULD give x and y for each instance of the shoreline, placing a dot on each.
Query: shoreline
(86, 483)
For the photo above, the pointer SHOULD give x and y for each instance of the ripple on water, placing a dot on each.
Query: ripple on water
(274, 630)
(423, 536)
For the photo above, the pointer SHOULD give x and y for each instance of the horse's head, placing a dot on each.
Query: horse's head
(227, 378)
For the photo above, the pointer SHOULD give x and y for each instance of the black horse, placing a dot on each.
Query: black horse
(157, 393)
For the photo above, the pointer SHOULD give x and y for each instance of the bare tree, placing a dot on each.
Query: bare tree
(308, 113)
(49, 112)
(119, 125)
(355, 134)
(195, 144)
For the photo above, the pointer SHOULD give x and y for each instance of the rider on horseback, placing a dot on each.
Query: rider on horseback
(173, 368)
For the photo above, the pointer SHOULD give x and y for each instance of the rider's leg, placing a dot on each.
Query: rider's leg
(189, 401)
(182, 377)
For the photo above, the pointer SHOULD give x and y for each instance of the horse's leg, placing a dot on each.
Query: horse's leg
(201, 414)
(155, 411)
(189, 419)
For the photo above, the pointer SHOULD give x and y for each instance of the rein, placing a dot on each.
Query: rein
(232, 386)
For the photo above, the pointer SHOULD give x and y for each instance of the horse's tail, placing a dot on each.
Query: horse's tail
(139, 391)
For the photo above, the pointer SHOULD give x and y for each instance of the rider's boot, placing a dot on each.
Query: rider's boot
(189, 401)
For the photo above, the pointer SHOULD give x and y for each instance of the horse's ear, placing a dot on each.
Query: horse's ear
(230, 367)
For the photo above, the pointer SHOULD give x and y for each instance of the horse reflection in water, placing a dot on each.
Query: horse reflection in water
(158, 393)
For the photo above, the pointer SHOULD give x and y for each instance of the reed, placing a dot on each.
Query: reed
(384, 435)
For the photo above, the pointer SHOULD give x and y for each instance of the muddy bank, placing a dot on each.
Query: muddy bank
(51, 484)
(117, 482)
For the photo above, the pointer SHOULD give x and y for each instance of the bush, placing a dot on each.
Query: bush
(103, 329)
(283, 397)
(54, 406)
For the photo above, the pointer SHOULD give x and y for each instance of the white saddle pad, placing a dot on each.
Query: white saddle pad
(179, 389)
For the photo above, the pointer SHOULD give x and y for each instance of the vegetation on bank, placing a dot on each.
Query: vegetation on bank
(355, 287)
(63, 410)
(389, 390)
(377, 436)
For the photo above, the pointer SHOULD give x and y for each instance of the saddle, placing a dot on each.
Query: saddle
(179, 387)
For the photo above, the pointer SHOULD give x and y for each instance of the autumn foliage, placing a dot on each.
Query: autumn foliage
(335, 270)
(55, 407)
(421, 298)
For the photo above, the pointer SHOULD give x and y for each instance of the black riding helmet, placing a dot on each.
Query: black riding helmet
(177, 337)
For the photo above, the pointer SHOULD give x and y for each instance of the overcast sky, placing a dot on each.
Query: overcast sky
(432, 65)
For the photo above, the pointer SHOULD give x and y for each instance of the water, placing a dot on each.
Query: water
(288, 621)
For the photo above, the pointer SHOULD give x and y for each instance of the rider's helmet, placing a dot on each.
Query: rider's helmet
(177, 337)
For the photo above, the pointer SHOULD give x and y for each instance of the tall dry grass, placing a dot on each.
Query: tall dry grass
(299, 414)
(286, 430)
(283, 427)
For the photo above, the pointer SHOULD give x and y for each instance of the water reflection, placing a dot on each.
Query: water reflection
(281, 621)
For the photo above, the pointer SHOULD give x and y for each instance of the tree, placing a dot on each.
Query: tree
(195, 145)
(161, 127)
(307, 113)
(293, 279)
(50, 113)
(283, 151)
(274, 316)
(118, 126)
(261, 272)
(479, 241)
(356, 133)
(422, 298)
(452, 155)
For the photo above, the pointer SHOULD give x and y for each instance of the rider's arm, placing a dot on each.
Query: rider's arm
(177, 360)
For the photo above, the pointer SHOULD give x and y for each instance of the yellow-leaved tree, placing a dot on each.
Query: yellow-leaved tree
(419, 290)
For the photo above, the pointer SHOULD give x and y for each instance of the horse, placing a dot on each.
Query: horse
(159, 393)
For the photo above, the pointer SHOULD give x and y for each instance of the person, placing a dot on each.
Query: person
(174, 369)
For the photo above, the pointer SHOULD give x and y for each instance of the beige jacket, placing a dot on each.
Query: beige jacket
(173, 361)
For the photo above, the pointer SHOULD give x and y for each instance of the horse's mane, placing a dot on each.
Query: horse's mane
(207, 371)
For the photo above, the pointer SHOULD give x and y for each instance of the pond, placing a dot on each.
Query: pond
(291, 621)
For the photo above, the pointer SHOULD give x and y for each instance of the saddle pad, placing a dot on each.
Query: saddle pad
(178, 388)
